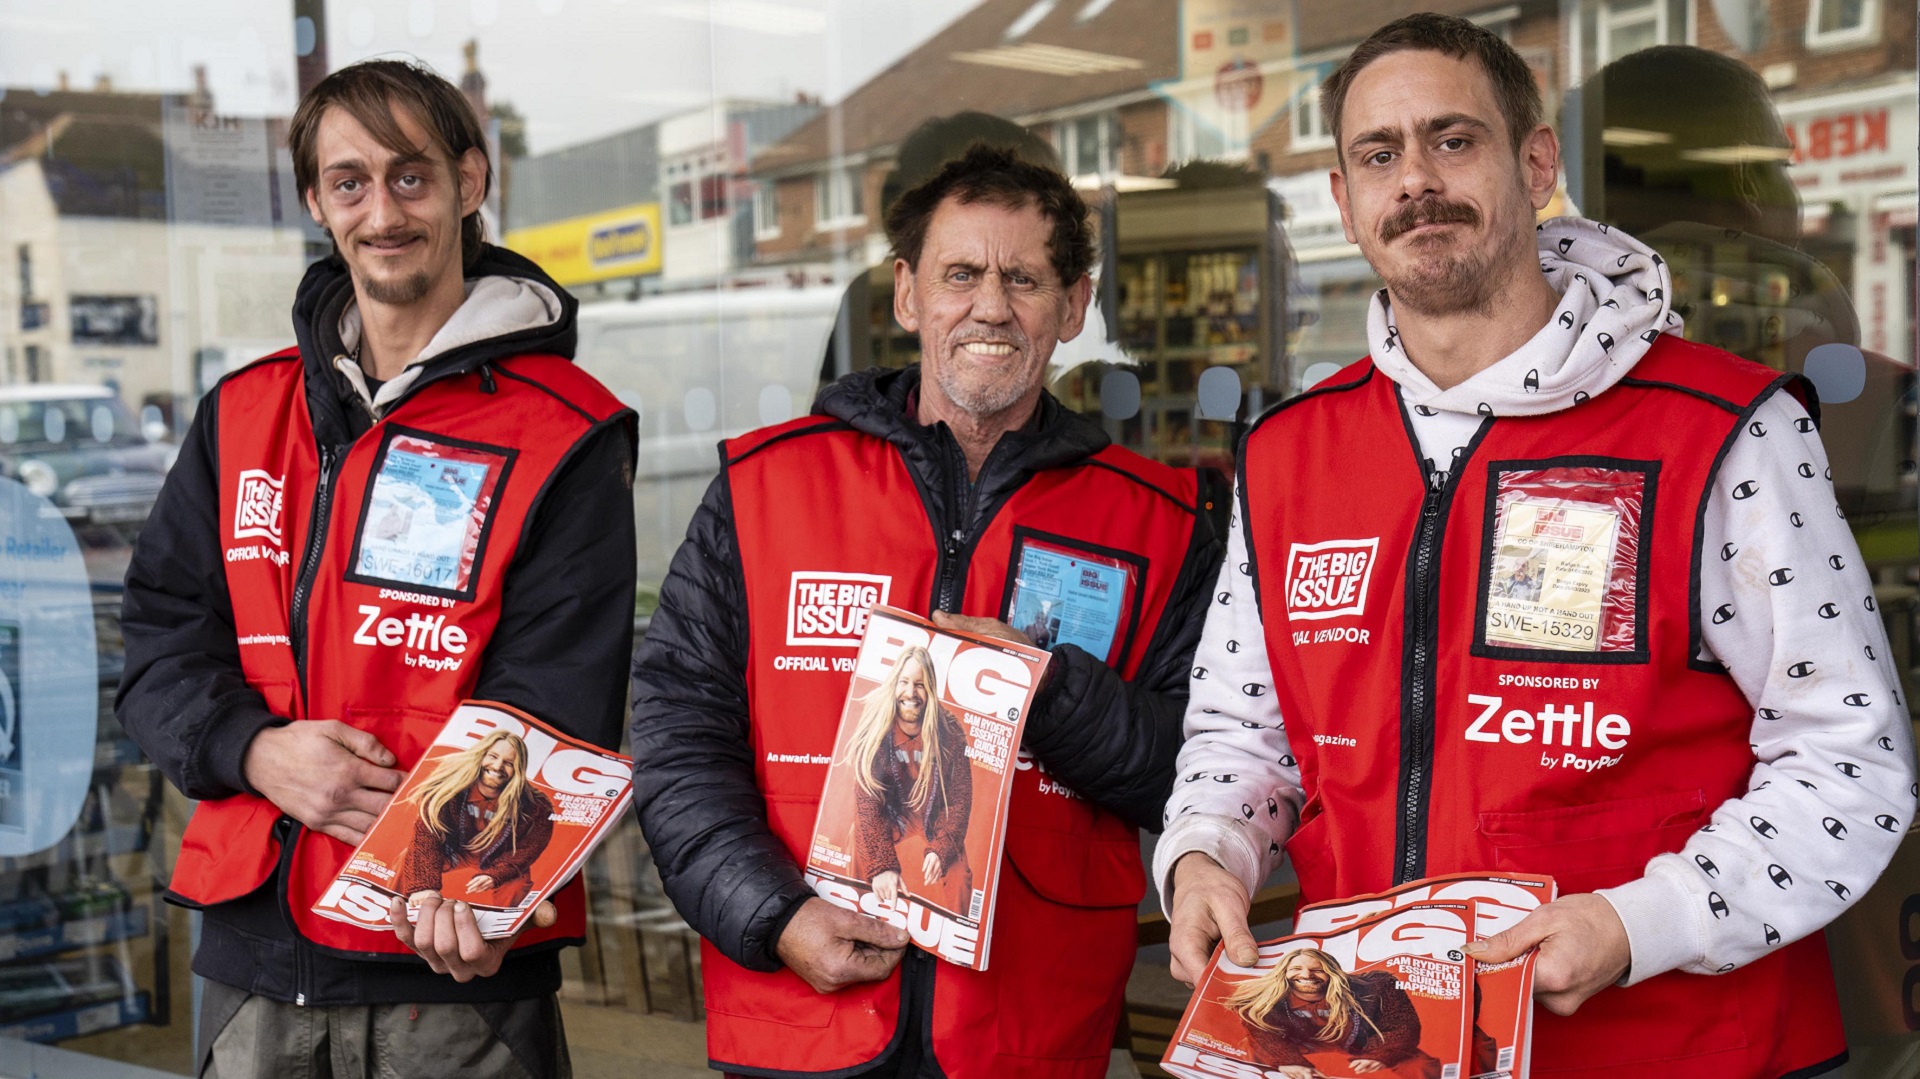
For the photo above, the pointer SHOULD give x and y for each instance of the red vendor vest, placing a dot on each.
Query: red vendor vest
(818, 504)
(1500, 672)
(394, 590)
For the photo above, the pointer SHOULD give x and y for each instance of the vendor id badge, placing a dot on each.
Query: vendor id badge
(1061, 591)
(1563, 571)
(428, 512)
(1550, 571)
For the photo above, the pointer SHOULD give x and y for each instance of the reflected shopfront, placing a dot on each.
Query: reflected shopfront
(711, 179)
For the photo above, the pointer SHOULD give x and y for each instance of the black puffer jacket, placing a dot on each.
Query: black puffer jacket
(1111, 740)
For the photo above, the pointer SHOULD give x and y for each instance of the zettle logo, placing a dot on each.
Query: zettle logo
(1329, 579)
(830, 609)
(257, 505)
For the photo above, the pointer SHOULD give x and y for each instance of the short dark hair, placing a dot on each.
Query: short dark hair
(999, 175)
(1513, 85)
(368, 91)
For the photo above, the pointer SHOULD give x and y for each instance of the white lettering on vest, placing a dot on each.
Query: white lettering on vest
(830, 609)
(433, 643)
(1555, 725)
(1329, 579)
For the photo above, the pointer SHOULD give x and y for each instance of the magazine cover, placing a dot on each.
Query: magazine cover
(500, 812)
(914, 811)
(1382, 997)
(1502, 1006)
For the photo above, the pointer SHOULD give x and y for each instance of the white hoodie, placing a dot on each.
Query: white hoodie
(1612, 285)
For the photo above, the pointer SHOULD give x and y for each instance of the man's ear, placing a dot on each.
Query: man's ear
(906, 304)
(1338, 182)
(1540, 165)
(313, 207)
(1079, 295)
(472, 170)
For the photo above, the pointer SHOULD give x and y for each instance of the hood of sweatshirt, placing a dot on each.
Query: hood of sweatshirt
(1616, 299)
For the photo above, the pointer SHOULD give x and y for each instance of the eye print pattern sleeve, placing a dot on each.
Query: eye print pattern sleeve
(1237, 794)
(1788, 607)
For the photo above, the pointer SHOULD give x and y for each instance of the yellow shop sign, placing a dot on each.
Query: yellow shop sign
(595, 247)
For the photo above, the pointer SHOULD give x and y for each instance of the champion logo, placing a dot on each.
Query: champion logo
(1656, 294)
(257, 504)
(1532, 382)
(1611, 303)
(1834, 828)
(1329, 579)
(1727, 551)
(1780, 577)
(1606, 342)
(1803, 669)
(1565, 244)
(1804, 425)
(1836, 561)
(1566, 319)
(1858, 700)
(1848, 769)
(1887, 823)
(1773, 935)
(1706, 865)
(1839, 889)
(1233, 646)
(1745, 490)
(1650, 336)
(1770, 714)
(1723, 614)
(1885, 743)
(1798, 521)
(1781, 879)
(1757, 429)
(1717, 905)
(1806, 469)
(1829, 610)
(829, 609)
(1764, 827)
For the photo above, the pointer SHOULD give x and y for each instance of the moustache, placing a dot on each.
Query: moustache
(1428, 211)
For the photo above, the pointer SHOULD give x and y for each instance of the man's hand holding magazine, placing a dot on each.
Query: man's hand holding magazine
(448, 936)
(830, 948)
(1583, 949)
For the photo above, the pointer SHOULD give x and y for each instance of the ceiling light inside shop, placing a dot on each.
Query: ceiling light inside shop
(1030, 19)
(1048, 59)
(1633, 136)
(758, 15)
(1092, 10)
(1743, 154)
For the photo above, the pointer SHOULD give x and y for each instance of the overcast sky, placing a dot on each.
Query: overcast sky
(575, 68)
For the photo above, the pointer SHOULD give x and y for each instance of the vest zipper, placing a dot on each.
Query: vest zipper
(1416, 725)
(310, 562)
(1422, 631)
(288, 831)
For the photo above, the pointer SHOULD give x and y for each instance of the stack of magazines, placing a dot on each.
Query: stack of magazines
(1373, 986)
(913, 816)
(500, 812)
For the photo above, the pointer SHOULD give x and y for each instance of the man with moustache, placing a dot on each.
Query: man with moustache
(421, 502)
(1688, 716)
(956, 487)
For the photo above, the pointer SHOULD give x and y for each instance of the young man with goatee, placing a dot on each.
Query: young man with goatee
(1689, 716)
(423, 501)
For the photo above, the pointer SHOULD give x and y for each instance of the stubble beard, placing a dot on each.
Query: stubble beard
(983, 397)
(1446, 284)
(407, 289)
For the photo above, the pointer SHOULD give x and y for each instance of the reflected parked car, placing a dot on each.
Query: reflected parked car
(81, 448)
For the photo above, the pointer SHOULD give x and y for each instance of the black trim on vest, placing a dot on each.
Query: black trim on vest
(1821, 1068)
(387, 435)
(560, 468)
(1240, 468)
(1419, 641)
(1194, 572)
(1021, 533)
(1649, 472)
(1696, 637)
(500, 369)
(1654, 384)
(1142, 481)
(821, 427)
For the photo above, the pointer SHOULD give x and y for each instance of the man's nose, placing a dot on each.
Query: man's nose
(990, 301)
(383, 210)
(1418, 177)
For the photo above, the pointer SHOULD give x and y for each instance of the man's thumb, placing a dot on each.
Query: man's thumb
(544, 915)
(1241, 947)
(1509, 943)
(872, 931)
